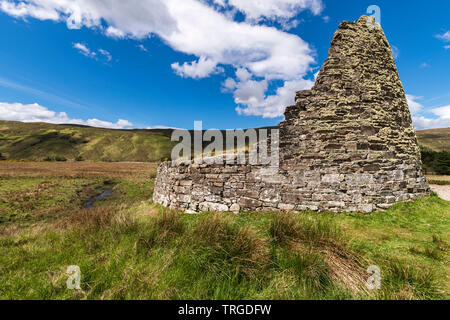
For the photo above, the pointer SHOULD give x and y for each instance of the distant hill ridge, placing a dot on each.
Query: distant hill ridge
(44, 141)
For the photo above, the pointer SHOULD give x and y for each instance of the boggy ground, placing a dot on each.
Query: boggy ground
(129, 248)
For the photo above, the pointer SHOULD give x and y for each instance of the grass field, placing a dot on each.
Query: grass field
(129, 248)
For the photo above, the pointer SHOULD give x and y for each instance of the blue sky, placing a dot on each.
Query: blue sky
(229, 63)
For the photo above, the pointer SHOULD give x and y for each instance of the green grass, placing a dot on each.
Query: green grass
(128, 248)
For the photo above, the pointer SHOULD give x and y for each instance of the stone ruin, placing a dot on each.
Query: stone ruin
(348, 144)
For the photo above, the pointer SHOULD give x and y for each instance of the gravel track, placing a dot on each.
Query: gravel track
(442, 191)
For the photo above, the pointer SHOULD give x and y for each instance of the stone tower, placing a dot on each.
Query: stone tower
(348, 144)
(356, 121)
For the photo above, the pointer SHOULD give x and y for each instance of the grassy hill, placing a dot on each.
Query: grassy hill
(40, 141)
(435, 139)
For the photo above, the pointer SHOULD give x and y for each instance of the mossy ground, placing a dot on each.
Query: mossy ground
(129, 248)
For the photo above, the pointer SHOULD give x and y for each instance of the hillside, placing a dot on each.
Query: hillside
(40, 141)
(435, 139)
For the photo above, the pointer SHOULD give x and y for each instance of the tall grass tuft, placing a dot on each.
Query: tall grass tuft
(288, 227)
(221, 239)
(89, 219)
(405, 282)
(165, 227)
(309, 267)
(322, 253)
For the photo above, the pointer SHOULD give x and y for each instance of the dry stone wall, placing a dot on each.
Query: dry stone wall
(348, 144)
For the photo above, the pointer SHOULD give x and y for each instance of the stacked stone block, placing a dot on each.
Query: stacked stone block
(348, 144)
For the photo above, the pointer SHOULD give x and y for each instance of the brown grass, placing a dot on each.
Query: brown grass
(285, 228)
(92, 219)
(75, 169)
(438, 178)
(345, 267)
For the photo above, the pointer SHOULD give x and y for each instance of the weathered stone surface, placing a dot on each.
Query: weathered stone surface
(348, 144)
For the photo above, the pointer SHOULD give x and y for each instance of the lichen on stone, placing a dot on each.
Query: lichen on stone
(348, 144)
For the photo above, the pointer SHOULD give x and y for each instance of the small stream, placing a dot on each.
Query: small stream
(90, 203)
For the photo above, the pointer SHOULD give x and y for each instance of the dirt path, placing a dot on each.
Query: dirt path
(442, 191)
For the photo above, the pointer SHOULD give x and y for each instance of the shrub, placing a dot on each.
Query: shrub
(436, 162)
(60, 159)
(79, 158)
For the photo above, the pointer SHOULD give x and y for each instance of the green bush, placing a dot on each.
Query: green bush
(60, 159)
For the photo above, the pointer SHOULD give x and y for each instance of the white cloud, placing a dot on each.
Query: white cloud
(107, 55)
(414, 106)
(422, 123)
(84, 50)
(442, 112)
(23, 9)
(142, 47)
(274, 9)
(445, 36)
(36, 113)
(136, 18)
(395, 51)
(271, 106)
(196, 69)
(229, 85)
(243, 74)
(250, 92)
(441, 115)
(163, 127)
(114, 33)
(194, 27)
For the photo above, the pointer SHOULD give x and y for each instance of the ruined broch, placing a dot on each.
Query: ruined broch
(348, 144)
